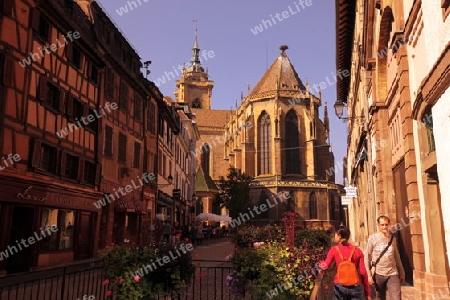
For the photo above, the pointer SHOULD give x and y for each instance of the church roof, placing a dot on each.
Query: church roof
(281, 76)
(211, 117)
(204, 183)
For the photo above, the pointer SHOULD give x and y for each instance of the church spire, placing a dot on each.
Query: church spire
(195, 62)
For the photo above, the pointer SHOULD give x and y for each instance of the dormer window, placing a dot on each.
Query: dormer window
(284, 85)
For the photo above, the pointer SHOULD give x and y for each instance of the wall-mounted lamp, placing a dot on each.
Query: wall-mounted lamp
(169, 180)
(339, 110)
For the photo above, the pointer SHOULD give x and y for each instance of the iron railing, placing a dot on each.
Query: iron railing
(85, 280)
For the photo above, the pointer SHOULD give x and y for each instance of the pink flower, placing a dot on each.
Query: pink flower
(120, 281)
(136, 278)
(108, 293)
(105, 282)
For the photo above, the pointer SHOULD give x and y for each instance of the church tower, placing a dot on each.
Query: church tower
(194, 87)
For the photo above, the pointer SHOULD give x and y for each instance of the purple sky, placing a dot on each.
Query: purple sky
(163, 32)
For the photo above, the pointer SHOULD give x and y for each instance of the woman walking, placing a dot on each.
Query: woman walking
(351, 280)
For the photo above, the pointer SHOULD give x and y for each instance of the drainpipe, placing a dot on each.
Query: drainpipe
(372, 222)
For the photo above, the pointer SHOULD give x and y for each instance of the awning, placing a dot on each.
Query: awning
(129, 205)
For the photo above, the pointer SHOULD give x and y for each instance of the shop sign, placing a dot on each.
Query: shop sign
(26, 196)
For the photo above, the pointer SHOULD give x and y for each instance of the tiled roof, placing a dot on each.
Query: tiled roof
(204, 183)
(280, 76)
(211, 117)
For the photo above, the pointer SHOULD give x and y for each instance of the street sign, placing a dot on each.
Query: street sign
(345, 200)
(350, 191)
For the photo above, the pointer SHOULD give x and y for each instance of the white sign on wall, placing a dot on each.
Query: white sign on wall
(350, 191)
(345, 200)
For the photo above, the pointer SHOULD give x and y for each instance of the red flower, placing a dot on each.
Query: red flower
(120, 281)
(105, 282)
(108, 293)
(136, 278)
(201, 274)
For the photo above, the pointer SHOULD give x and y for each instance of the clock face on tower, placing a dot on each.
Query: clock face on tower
(196, 103)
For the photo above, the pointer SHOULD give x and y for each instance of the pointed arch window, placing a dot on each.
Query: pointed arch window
(312, 206)
(206, 155)
(264, 144)
(292, 154)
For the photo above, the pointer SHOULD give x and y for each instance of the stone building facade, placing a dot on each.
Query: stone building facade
(275, 135)
(397, 53)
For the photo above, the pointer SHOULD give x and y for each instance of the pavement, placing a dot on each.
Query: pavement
(217, 250)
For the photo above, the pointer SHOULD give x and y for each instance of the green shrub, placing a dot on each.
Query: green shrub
(128, 279)
(267, 268)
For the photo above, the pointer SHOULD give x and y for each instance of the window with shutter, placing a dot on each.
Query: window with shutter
(70, 169)
(151, 118)
(78, 110)
(40, 26)
(89, 172)
(74, 56)
(53, 96)
(48, 161)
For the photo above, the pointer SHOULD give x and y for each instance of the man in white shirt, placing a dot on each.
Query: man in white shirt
(389, 272)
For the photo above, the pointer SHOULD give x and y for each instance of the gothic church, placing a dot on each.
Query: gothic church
(275, 135)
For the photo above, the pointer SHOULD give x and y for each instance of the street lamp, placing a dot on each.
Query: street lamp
(339, 110)
(169, 180)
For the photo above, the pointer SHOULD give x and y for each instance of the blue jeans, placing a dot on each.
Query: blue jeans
(348, 293)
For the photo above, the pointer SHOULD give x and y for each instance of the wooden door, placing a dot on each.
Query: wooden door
(84, 241)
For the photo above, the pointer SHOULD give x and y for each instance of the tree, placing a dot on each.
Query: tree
(235, 192)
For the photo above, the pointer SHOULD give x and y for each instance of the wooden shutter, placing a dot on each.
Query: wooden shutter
(42, 94)
(98, 173)
(8, 71)
(62, 100)
(36, 159)
(81, 169)
(34, 20)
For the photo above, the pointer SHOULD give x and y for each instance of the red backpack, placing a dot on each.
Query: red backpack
(347, 274)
